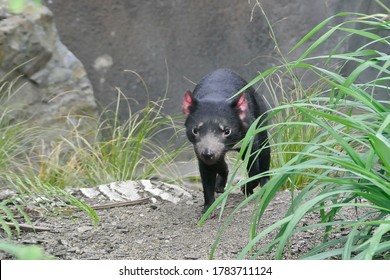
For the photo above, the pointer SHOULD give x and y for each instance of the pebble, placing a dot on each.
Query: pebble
(83, 229)
(63, 242)
(191, 257)
(32, 241)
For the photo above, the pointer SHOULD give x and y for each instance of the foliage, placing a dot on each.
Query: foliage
(120, 151)
(39, 172)
(16, 6)
(14, 136)
(334, 146)
(24, 252)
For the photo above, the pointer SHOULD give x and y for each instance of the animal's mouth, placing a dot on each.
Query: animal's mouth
(209, 157)
(209, 160)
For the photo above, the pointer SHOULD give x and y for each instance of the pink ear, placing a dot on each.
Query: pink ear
(242, 106)
(188, 102)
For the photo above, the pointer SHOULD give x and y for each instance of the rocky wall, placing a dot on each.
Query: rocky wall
(173, 42)
(50, 85)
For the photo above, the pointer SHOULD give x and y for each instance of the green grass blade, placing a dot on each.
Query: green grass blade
(382, 147)
(366, 34)
(375, 239)
(315, 30)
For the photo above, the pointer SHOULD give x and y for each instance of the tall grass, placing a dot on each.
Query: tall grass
(333, 144)
(13, 135)
(122, 150)
(39, 171)
(17, 141)
(142, 146)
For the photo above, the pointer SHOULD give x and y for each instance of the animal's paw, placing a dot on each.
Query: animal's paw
(246, 190)
(212, 215)
(219, 189)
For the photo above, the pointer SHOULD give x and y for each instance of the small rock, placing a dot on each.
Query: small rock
(89, 192)
(6, 193)
(63, 242)
(103, 62)
(169, 197)
(32, 241)
(128, 189)
(83, 229)
(111, 194)
(191, 257)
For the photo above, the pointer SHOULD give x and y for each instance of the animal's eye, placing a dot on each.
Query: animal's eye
(195, 131)
(227, 131)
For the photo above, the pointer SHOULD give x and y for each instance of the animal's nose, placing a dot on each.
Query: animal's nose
(208, 154)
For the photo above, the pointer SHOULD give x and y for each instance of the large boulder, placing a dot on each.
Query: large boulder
(50, 85)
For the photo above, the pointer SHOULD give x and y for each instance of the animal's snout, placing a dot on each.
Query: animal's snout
(210, 148)
(208, 155)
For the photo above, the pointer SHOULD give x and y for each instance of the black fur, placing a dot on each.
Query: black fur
(215, 123)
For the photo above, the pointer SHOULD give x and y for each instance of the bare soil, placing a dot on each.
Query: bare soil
(158, 230)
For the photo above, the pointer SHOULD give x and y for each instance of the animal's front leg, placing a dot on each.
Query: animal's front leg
(222, 176)
(208, 174)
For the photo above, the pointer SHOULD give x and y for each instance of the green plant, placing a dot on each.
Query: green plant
(24, 252)
(122, 150)
(14, 135)
(131, 149)
(345, 157)
(39, 172)
(18, 139)
(16, 6)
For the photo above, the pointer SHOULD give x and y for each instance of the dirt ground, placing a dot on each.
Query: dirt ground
(157, 230)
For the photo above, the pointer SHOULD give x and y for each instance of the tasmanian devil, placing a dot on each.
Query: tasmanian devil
(216, 122)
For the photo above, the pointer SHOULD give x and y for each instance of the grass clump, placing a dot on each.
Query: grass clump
(39, 171)
(21, 187)
(128, 150)
(333, 144)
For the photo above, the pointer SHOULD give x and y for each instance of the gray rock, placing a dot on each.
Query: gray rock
(111, 194)
(53, 88)
(135, 190)
(90, 192)
(83, 229)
